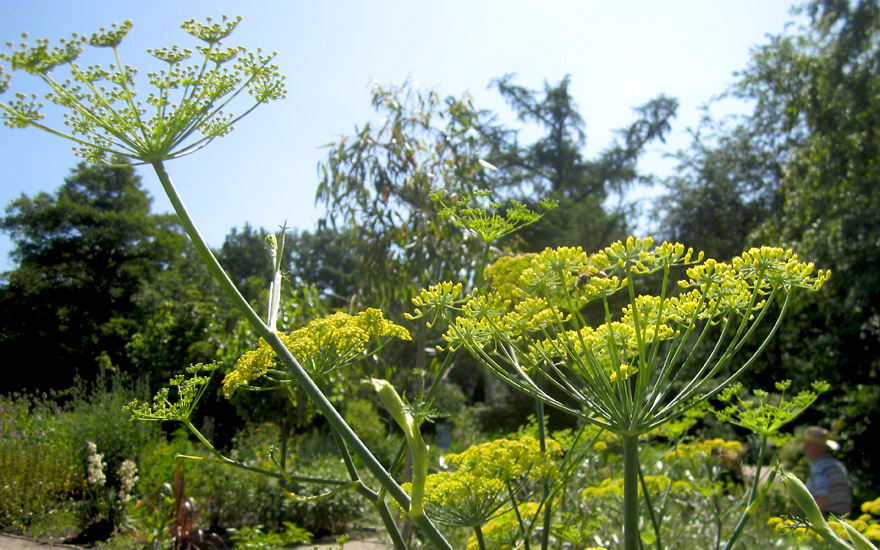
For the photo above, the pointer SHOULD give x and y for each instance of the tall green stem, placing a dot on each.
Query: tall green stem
(542, 438)
(631, 492)
(752, 494)
(296, 370)
(480, 540)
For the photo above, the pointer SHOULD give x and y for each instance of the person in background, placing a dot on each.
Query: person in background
(829, 481)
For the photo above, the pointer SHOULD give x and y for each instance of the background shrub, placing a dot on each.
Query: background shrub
(38, 466)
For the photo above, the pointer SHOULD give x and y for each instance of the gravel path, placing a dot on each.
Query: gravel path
(11, 542)
(366, 542)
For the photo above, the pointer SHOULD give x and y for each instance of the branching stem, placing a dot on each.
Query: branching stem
(296, 370)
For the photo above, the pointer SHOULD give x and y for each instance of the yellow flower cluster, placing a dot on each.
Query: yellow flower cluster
(509, 459)
(530, 320)
(867, 523)
(780, 267)
(321, 346)
(636, 256)
(506, 274)
(872, 507)
(757, 270)
(800, 532)
(483, 476)
(710, 447)
(503, 532)
(612, 488)
(531, 291)
(867, 526)
(554, 268)
(462, 498)
(435, 300)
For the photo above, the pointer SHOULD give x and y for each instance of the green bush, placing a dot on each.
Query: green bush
(159, 461)
(38, 467)
(239, 498)
(95, 415)
(235, 498)
(44, 454)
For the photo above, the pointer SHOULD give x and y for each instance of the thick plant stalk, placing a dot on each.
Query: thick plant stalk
(480, 540)
(296, 370)
(631, 539)
(398, 461)
(419, 454)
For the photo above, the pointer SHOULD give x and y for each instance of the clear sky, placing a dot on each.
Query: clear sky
(619, 55)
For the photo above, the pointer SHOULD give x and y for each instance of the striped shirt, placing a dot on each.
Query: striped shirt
(829, 477)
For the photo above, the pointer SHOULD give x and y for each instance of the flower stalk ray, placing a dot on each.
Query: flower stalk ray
(108, 124)
(632, 373)
(636, 370)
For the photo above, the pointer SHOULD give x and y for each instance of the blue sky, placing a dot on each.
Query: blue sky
(619, 55)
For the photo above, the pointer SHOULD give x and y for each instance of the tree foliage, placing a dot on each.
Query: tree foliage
(82, 254)
(554, 166)
(377, 187)
(801, 171)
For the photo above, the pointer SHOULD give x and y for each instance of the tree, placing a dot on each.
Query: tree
(377, 188)
(246, 260)
(832, 190)
(554, 166)
(82, 255)
(327, 258)
(804, 165)
(723, 180)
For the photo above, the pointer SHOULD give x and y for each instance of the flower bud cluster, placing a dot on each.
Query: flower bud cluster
(483, 478)
(105, 118)
(484, 222)
(189, 391)
(765, 414)
(530, 320)
(321, 346)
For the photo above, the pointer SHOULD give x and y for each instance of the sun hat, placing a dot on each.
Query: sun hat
(815, 434)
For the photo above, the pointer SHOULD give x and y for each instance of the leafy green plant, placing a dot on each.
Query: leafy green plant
(35, 477)
(95, 415)
(253, 538)
(38, 461)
